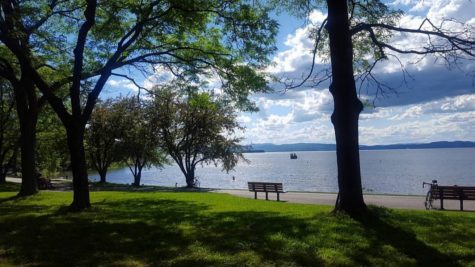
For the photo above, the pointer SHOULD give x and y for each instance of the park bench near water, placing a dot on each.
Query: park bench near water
(454, 192)
(266, 187)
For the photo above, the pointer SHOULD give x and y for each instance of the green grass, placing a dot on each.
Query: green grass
(210, 229)
(9, 187)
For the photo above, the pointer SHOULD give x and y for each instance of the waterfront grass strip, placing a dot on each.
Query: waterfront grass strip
(210, 229)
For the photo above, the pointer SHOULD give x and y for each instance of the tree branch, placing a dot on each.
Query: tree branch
(90, 15)
(314, 55)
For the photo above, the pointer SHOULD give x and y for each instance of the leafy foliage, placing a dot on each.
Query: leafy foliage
(187, 37)
(196, 128)
(139, 144)
(52, 153)
(103, 133)
(8, 131)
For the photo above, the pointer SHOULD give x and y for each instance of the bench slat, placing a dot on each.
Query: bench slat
(454, 192)
(265, 187)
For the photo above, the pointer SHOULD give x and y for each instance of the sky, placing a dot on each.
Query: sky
(436, 103)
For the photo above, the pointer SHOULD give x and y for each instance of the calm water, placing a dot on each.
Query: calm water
(385, 171)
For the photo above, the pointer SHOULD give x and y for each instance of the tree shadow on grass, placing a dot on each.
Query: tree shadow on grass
(15, 197)
(149, 232)
(382, 233)
(168, 232)
(9, 187)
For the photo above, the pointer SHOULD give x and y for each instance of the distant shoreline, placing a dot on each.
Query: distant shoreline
(268, 147)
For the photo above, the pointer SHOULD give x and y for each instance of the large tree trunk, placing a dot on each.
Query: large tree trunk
(29, 174)
(3, 176)
(75, 133)
(190, 178)
(137, 177)
(102, 174)
(27, 109)
(346, 110)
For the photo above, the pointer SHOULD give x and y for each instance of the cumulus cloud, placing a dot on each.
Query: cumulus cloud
(452, 118)
(422, 128)
(307, 119)
(161, 76)
(427, 78)
(279, 130)
(293, 63)
(458, 104)
(122, 83)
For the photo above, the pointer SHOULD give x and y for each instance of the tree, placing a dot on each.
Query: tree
(8, 131)
(103, 132)
(196, 129)
(27, 108)
(231, 37)
(358, 35)
(140, 144)
(51, 154)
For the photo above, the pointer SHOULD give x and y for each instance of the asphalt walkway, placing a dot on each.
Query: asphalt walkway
(389, 201)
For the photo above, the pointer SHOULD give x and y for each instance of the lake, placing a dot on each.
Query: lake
(383, 171)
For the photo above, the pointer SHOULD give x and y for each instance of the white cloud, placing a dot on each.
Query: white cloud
(122, 83)
(437, 104)
(447, 119)
(299, 54)
(462, 103)
(161, 76)
(316, 17)
(308, 120)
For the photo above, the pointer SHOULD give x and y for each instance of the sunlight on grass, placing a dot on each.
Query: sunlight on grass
(211, 229)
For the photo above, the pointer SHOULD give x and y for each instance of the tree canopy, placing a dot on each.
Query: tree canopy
(103, 133)
(196, 128)
(140, 145)
(73, 43)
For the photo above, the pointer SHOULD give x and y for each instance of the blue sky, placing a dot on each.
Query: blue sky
(438, 103)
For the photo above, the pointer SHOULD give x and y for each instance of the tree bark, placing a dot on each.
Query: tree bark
(75, 134)
(29, 174)
(190, 178)
(27, 109)
(3, 176)
(137, 177)
(347, 108)
(102, 174)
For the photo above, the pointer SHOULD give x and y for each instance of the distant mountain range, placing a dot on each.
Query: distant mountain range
(268, 147)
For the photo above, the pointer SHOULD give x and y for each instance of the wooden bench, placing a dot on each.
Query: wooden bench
(44, 183)
(454, 192)
(266, 187)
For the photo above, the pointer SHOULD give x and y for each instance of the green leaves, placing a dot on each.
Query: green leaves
(9, 129)
(195, 127)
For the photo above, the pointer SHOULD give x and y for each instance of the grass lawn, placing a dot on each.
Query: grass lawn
(210, 229)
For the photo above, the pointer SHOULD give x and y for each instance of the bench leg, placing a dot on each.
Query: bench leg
(267, 196)
(278, 199)
(255, 194)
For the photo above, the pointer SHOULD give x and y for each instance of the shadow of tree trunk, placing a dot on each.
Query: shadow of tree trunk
(404, 241)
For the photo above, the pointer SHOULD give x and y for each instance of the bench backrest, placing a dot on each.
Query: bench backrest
(454, 192)
(265, 187)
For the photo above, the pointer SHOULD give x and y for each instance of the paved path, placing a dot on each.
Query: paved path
(389, 201)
